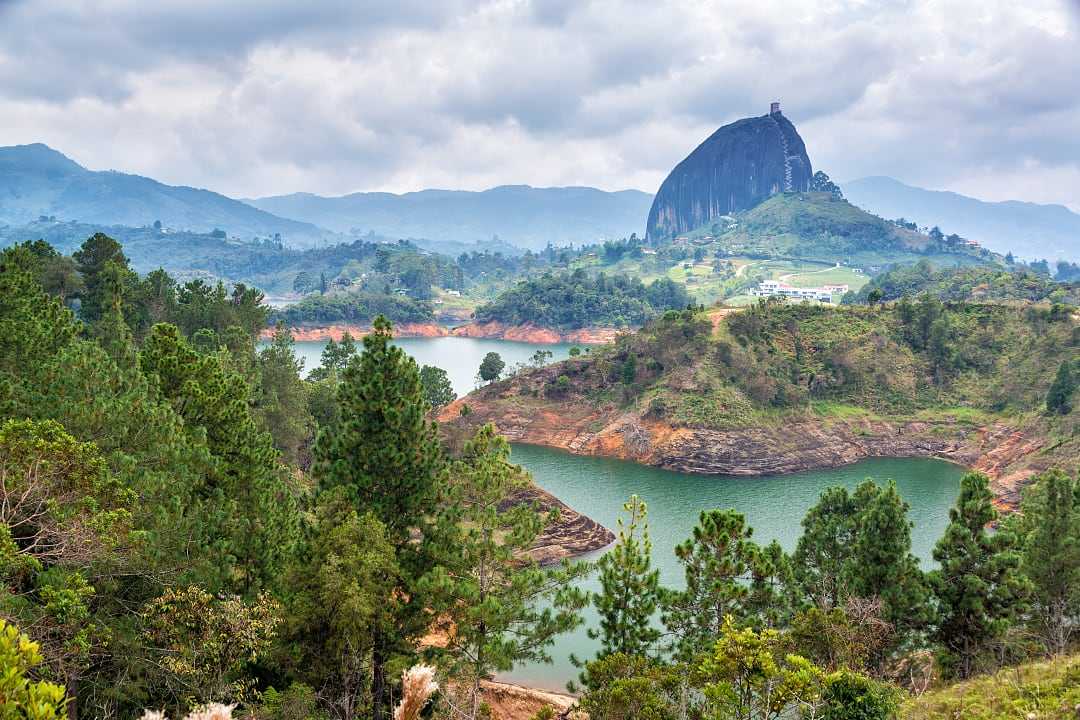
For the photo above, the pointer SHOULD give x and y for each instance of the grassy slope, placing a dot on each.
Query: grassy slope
(978, 284)
(707, 286)
(799, 238)
(1049, 689)
(817, 225)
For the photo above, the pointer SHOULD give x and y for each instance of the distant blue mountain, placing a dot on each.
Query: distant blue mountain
(521, 215)
(36, 180)
(1026, 229)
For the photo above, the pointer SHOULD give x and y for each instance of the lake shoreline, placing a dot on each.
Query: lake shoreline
(1009, 452)
(773, 505)
(526, 333)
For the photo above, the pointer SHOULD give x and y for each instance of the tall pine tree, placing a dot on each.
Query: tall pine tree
(502, 607)
(1051, 556)
(630, 588)
(92, 259)
(720, 562)
(824, 548)
(881, 564)
(386, 455)
(978, 587)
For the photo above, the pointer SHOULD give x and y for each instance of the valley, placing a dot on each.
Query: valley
(447, 454)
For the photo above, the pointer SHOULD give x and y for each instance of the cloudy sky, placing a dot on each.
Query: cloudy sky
(258, 97)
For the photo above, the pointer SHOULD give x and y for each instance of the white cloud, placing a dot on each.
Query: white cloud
(259, 97)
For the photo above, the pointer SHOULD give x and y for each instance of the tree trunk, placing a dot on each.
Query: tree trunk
(378, 680)
(72, 692)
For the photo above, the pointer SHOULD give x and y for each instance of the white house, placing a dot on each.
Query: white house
(769, 288)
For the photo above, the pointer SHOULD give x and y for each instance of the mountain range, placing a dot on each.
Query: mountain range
(1028, 230)
(36, 181)
(521, 215)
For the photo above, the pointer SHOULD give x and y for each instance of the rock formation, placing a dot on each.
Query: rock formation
(737, 167)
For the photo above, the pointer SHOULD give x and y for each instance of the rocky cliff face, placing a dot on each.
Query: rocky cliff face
(1009, 454)
(737, 167)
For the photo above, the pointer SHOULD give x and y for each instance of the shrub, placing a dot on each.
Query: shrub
(21, 697)
(851, 696)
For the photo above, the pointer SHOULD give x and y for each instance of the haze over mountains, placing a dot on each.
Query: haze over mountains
(521, 215)
(36, 180)
(1026, 229)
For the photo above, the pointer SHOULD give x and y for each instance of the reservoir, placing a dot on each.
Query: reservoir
(460, 357)
(773, 505)
(597, 487)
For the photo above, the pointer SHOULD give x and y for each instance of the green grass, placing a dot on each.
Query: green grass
(970, 415)
(832, 276)
(1046, 690)
(839, 410)
(723, 408)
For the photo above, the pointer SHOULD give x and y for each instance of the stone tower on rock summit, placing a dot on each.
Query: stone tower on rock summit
(736, 168)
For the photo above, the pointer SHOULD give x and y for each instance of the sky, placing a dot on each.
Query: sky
(262, 97)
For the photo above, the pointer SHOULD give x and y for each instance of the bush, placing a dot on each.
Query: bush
(21, 697)
(851, 696)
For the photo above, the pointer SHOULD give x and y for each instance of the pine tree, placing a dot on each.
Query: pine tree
(281, 402)
(1051, 556)
(387, 456)
(858, 546)
(338, 591)
(630, 588)
(92, 258)
(881, 564)
(489, 588)
(824, 548)
(215, 403)
(978, 587)
(717, 563)
(111, 330)
(33, 326)
(1059, 397)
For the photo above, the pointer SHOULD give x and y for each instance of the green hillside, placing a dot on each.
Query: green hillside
(997, 284)
(821, 226)
(1048, 690)
(775, 362)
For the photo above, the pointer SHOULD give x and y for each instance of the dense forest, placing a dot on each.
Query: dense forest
(187, 521)
(575, 300)
(356, 308)
(275, 267)
(979, 283)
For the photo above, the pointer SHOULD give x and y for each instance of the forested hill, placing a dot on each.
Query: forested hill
(698, 370)
(783, 388)
(982, 283)
(823, 226)
(568, 301)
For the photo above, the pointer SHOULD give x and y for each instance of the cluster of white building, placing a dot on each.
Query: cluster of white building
(769, 288)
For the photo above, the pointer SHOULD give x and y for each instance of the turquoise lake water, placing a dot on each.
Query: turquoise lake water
(773, 505)
(598, 487)
(459, 357)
